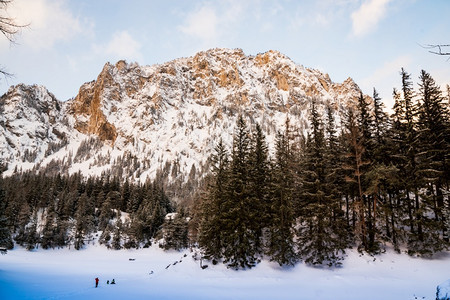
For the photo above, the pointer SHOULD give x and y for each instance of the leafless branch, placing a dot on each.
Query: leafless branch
(439, 48)
(8, 28)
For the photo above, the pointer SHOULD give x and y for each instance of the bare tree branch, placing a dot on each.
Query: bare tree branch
(440, 49)
(8, 28)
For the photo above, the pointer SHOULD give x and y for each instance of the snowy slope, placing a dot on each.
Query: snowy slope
(69, 274)
(135, 119)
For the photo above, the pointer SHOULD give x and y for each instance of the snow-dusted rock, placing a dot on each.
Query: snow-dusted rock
(136, 119)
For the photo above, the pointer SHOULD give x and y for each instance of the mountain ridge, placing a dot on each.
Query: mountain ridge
(161, 116)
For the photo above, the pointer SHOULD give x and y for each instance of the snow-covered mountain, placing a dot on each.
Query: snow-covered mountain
(134, 120)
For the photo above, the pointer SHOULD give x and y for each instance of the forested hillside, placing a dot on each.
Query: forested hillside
(368, 181)
(353, 177)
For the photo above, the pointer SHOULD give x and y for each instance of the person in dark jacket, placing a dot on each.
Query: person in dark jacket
(113, 282)
(96, 282)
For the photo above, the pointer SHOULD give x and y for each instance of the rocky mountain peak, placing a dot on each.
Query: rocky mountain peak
(31, 121)
(167, 116)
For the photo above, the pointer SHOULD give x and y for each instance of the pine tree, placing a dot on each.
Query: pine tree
(259, 176)
(125, 195)
(365, 125)
(320, 238)
(31, 235)
(380, 131)
(117, 239)
(24, 218)
(354, 166)
(176, 231)
(106, 214)
(335, 182)
(84, 221)
(433, 147)
(412, 180)
(48, 232)
(212, 212)
(238, 234)
(5, 233)
(281, 246)
(105, 237)
(371, 137)
(382, 178)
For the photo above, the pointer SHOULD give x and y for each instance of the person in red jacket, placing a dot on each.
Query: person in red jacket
(96, 282)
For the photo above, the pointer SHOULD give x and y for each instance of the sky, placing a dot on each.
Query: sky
(67, 42)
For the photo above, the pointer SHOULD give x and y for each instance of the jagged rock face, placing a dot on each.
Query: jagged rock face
(31, 124)
(87, 106)
(218, 78)
(171, 115)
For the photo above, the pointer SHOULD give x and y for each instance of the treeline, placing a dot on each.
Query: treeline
(62, 211)
(367, 182)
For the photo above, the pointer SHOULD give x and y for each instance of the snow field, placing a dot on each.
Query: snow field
(69, 274)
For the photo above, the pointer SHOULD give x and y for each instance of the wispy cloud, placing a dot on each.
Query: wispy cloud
(368, 15)
(121, 46)
(210, 23)
(201, 24)
(49, 21)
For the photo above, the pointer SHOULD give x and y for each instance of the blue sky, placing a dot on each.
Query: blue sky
(67, 42)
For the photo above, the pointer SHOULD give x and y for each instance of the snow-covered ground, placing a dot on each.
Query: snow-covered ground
(69, 274)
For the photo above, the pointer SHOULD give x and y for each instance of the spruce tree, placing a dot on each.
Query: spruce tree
(238, 234)
(175, 231)
(5, 233)
(280, 244)
(31, 235)
(48, 232)
(212, 208)
(259, 176)
(84, 221)
(335, 181)
(354, 166)
(117, 239)
(381, 127)
(371, 137)
(412, 180)
(382, 178)
(321, 240)
(433, 147)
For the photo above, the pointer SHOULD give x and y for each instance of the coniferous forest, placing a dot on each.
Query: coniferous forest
(358, 179)
(367, 182)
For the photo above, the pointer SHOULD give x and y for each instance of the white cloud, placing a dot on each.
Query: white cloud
(210, 23)
(201, 24)
(121, 46)
(48, 21)
(366, 18)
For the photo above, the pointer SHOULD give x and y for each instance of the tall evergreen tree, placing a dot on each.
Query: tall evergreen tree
(239, 236)
(380, 130)
(433, 147)
(280, 244)
(5, 233)
(212, 207)
(48, 232)
(335, 180)
(84, 218)
(259, 176)
(412, 180)
(175, 231)
(320, 240)
(117, 239)
(355, 169)
(31, 235)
